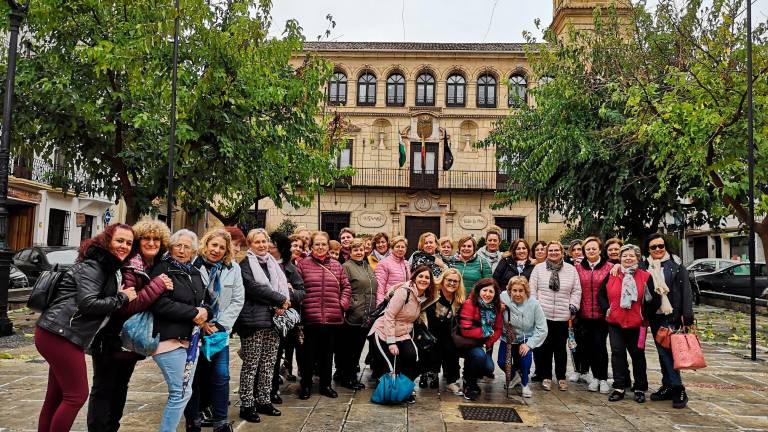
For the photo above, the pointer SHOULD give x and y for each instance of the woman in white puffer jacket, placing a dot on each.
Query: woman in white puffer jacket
(555, 284)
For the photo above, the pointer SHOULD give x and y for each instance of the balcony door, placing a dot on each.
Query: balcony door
(426, 178)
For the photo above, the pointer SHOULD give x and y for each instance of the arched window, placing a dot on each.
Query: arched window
(425, 90)
(396, 90)
(456, 91)
(337, 89)
(366, 90)
(486, 92)
(517, 91)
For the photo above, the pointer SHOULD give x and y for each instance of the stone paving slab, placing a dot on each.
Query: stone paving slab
(731, 394)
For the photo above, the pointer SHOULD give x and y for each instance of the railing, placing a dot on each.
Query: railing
(42, 171)
(403, 178)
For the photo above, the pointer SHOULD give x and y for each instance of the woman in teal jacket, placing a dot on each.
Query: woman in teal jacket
(472, 266)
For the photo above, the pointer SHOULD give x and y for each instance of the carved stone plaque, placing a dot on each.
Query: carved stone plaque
(372, 220)
(473, 221)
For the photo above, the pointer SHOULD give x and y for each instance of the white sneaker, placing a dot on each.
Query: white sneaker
(586, 378)
(515, 381)
(454, 388)
(573, 376)
(527, 392)
(546, 384)
(593, 385)
(604, 387)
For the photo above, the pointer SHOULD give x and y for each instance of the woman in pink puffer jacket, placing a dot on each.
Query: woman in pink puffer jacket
(555, 284)
(392, 270)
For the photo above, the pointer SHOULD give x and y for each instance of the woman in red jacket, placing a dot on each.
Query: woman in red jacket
(627, 298)
(326, 296)
(480, 319)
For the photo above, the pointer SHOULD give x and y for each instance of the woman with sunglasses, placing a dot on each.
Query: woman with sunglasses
(440, 314)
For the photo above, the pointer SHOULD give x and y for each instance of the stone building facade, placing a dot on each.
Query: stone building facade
(430, 95)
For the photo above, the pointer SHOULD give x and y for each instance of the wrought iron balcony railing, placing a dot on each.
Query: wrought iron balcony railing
(43, 171)
(440, 179)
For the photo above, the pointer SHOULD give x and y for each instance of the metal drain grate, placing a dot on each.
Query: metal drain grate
(490, 413)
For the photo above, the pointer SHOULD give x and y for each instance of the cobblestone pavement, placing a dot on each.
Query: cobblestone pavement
(731, 394)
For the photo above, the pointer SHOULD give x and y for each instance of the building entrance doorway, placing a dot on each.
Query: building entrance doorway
(415, 226)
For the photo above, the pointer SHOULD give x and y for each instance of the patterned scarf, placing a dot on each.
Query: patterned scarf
(185, 267)
(554, 278)
(487, 317)
(214, 279)
(659, 283)
(628, 287)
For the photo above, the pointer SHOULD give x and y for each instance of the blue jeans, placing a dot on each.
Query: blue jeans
(478, 363)
(520, 364)
(669, 376)
(172, 364)
(211, 378)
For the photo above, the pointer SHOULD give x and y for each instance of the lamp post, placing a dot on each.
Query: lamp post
(751, 191)
(16, 16)
(172, 137)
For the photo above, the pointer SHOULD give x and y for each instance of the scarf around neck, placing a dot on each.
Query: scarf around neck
(554, 278)
(628, 287)
(487, 317)
(214, 280)
(379, 256)
(276, 279)
(185, 267)
(659, 283)
(492, 257)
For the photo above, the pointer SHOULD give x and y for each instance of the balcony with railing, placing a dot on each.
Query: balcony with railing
(390, 178)
(46, 172)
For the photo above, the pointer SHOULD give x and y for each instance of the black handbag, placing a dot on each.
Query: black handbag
(45, 289)
(422, 337)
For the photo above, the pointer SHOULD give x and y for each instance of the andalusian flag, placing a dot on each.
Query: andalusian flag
(402, 152)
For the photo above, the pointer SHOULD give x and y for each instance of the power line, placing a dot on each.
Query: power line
(490, 21)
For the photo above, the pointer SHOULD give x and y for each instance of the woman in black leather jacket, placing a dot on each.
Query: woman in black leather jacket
(85, 297)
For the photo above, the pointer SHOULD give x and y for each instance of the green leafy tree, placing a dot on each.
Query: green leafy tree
(96, 88)
(641, 112)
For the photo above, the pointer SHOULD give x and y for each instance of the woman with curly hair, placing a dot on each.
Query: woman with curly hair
(85, 297)
(112, 365)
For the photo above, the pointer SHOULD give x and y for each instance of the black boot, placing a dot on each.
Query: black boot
(275, 398)
(194, 426)
(226, 427)
(328, 391)
(662, 394)
(268, 409)
(680, 399)
(434, 381)
(249, 414)
(305, 393)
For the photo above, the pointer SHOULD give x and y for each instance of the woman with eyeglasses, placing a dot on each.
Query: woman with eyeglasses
(440, 314)
(176, 313)
(539, 252)
(671, 283)
(113, 366)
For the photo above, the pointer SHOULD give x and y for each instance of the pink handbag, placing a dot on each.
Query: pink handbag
(686, 350)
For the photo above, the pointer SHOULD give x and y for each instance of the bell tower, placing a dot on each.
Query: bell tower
(579, 13)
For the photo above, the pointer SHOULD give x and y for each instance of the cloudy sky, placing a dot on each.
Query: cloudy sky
(427, 20)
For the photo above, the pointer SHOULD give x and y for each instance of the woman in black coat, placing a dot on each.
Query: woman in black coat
(176, 313)
(85, 297)
(515, 262)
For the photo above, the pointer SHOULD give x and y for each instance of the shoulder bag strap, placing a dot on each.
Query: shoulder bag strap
(331, 273)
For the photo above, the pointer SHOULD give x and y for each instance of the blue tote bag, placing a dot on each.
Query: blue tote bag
(136, 335)
(393, 388)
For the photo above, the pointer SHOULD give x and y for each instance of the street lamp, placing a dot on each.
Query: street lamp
(172, 137)
(751, 191)
(16, 16)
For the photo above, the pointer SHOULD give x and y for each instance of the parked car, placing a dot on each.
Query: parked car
(18, 279)
(704, 266)
(34, 260)
(734, 280)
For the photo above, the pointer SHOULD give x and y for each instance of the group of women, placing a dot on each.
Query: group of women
(296, 295)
